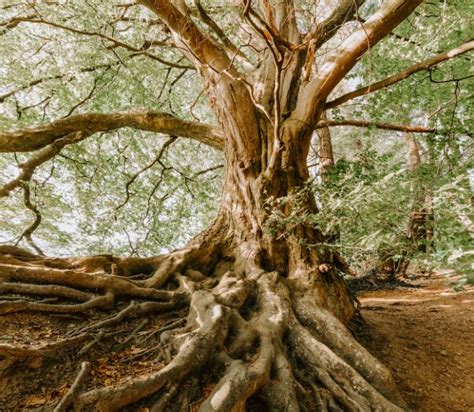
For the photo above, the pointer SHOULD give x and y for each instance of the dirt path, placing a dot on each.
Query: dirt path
(426, 337)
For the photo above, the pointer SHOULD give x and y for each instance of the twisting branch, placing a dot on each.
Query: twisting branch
(424, 65)
(26, 140)
(83, 100)
(376, 125)
(28, 168)
(36, 82)
(30, 229)
(115, 42)
(158, 157)
(323, 31)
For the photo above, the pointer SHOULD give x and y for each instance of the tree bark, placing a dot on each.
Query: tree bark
(325, 152)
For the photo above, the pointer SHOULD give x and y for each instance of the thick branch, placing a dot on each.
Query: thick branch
(424, 65)
(28, 168)
(390, 14)
(376, 125)
(25, 140)
(199, 48)
(219, 32)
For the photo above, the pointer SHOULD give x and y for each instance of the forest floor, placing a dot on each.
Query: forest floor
(424, 334)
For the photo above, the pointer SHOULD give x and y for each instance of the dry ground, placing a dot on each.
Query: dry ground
(425, 335)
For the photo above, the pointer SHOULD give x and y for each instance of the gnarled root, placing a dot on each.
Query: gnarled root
(246, 329)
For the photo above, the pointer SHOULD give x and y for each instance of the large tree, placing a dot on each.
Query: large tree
(265, 308)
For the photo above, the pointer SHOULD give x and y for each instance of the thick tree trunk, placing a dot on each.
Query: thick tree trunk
(273, 166)
(266, 310)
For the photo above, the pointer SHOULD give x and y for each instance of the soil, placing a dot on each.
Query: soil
(423, 334)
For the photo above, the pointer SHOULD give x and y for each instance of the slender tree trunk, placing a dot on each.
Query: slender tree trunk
(325, 150)
(420, 230)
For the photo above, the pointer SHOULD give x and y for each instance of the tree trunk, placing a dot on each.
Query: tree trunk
(325, 152)
(419, 230)
(266, 310)
(420, 226)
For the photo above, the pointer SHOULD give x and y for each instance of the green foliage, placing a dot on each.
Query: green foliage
(79, 192)
(366, 203)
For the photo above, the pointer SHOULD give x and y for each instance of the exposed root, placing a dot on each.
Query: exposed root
(133, 309)
(74, 390)
(45, 290)
(258, 336)
(23, 305)
(195, 350)
(33, 356)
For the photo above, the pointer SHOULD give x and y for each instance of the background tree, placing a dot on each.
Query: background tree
(265, 303)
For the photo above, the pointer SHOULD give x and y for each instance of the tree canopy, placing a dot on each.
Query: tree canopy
(122, 187)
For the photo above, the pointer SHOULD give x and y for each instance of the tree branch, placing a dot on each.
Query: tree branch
(31, 139)
(322, 32)
(30, 229)
(157, 158)
(199, 48)
(35, 82)
(424, 65)
(208, 21)
(28, 168)
(116, 43)
(339, 63)
(376, 125)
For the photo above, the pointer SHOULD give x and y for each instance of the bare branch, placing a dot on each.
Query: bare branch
(339, 63)
(30, 229)
(424, 65)
(49, 78)
(116, 43)
(345, 12)
(157, 158)
(376, 125)
(28, 168)
(31, 139)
